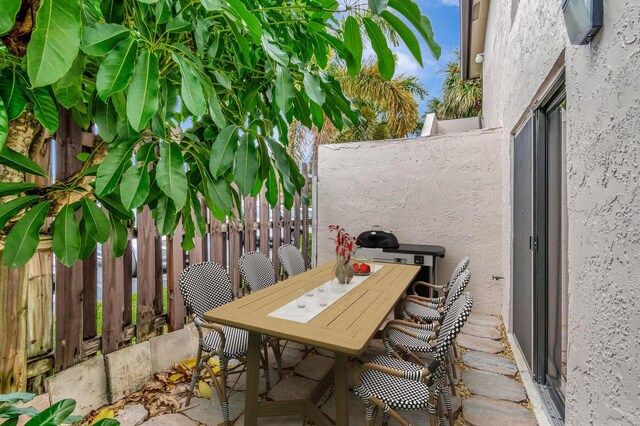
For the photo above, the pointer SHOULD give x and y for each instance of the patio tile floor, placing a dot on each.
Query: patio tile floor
(471, 405)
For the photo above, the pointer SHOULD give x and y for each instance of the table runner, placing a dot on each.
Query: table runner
(292, 312)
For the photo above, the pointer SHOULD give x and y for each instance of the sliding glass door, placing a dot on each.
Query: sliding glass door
(540, 271)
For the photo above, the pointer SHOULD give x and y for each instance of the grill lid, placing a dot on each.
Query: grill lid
(377, 238)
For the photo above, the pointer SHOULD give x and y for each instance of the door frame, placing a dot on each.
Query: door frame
(556, 95)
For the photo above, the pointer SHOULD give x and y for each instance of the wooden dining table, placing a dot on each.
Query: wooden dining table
(344, 327)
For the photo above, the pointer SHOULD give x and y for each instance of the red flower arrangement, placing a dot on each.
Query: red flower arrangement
(344, 242)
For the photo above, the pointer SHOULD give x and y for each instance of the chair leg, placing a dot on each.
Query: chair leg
(432, 409)
(196, 375)
(265, 366)
(447, 403)
(370, 413)
(277, 352)
(385, 419)
(224, 363)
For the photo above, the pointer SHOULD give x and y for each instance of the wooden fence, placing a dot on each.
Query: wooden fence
(126, 314)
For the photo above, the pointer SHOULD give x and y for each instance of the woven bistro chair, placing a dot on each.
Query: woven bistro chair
(206, 286)
(429, 309)
(391, 383)
(409, 338)
(291, 260)
(257, 272)
(441, 289)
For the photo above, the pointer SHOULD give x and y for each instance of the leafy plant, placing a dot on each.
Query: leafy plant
(57, 414)
(460, 98)
(233, 74)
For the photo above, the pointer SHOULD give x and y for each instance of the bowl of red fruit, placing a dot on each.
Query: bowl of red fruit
(361, 268)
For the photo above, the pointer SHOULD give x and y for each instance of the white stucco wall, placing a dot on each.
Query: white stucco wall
(603, 153)
(444, 190)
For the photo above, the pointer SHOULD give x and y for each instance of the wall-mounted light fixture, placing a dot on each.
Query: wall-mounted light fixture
(583, 19)
(479, 58)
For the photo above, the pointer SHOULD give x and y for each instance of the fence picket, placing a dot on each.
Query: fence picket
(146, 305)
(113, 300)
(249, 220)
(264, 224)
(305, 215)
(69, 329)
(175, 266)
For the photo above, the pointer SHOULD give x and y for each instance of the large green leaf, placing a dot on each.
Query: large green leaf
(170, 173)
(11, 188)
(353, 45)
(112, 168)
(272, 192)
(117, 68)
(313, 87)
(215, 110)
(405, 34)
(8, 14)
(66, 236)
(44, 107)
(119, 236)
(11, 208)
(15, 397)
(106, 119)
(97, 222)
(223, 151)
(411, 11)
(22, 241)
(87, 243)
(54, 415)
(386, 61)
(134, 188)
(55, 41)
(274, 51)
(166, 215)
(12, 93)
(100, 39)
(4, 124)
(218, 195)
(252, 23)
(283, 89)
(246, 163)
(142, 96)
(191, 90)
(19, 162)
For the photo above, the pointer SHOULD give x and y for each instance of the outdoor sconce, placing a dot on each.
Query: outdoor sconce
(583, 19)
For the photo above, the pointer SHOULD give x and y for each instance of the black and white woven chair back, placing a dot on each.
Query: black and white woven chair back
(462, 266)
(205, 286)
(291, 260)
(256, 270)
(453, 322)
(458, 286)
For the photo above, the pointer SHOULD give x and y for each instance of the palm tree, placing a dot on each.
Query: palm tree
(460, 98)
(390, 109)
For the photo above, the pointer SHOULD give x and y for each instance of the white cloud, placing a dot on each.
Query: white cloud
(406, 64)
(450, 2)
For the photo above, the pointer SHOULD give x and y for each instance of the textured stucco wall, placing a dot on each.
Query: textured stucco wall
(520, 56)
(603, 153)
(444, 190)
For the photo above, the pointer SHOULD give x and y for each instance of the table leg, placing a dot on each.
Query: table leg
(253, 379)
(342, 389)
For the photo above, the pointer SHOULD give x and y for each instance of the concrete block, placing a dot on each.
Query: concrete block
(172, 348)
(128, 370)
(85, 382)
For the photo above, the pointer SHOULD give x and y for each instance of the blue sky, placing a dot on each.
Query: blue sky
(444, 15)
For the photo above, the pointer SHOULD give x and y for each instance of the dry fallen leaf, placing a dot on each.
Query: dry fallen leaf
(105, 413)
(175, 377)
(205, 390)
